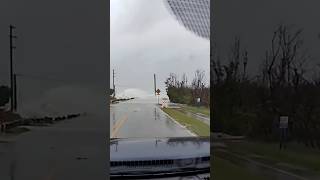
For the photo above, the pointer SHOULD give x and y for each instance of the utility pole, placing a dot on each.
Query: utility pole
(11, 36)
(114, 87)
(155, 84)
(15, 92)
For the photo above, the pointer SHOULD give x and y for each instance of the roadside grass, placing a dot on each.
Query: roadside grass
(295, 154)
(225, 170)
(198, 127)
(195, 109)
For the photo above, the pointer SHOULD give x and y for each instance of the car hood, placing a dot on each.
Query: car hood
(131, 149)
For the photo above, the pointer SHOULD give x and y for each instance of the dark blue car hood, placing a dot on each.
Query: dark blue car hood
(130, 149)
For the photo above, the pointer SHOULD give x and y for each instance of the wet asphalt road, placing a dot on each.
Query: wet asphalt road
(76, 148)
(142, 118)
(72, 149)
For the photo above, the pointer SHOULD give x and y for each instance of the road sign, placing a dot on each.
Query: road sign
(283, 125)
(158, 91)
(164, 103)
(284, 120)
(198, 100)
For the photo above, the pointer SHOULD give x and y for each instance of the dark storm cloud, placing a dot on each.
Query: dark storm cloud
(61, 44)
(254, 21)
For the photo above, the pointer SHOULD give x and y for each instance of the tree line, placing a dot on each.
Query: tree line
(285, 85)
(184, 92)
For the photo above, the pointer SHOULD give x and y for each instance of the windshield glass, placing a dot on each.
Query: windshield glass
(159, 86)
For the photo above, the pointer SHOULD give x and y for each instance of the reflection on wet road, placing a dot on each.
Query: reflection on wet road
(142, 118)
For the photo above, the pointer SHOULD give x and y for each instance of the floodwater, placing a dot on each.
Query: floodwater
(142, 118)
(71, 149)
(76, 148)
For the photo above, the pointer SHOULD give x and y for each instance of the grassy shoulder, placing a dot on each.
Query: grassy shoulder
(223, 169)
(194, 109)
(196, 126)
(295, 154)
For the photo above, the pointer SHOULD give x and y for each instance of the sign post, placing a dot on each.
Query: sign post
(198, 102)
(158, 94)
(283, 125)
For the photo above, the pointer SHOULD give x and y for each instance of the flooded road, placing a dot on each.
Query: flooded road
(142, 118)
(71, 149)
(76, 148)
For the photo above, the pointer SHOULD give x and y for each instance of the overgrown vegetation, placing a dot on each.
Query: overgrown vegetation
(252, 104)
(184, 93)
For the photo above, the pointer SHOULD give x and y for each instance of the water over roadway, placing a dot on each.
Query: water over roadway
(71, 149)
(142, 118)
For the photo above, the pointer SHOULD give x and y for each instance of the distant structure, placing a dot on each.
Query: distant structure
(111, 92)
(192, 14)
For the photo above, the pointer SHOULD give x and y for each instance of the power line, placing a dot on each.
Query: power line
(41, 77)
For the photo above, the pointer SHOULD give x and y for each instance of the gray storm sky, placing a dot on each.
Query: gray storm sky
(146, 39)
(61, 52)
